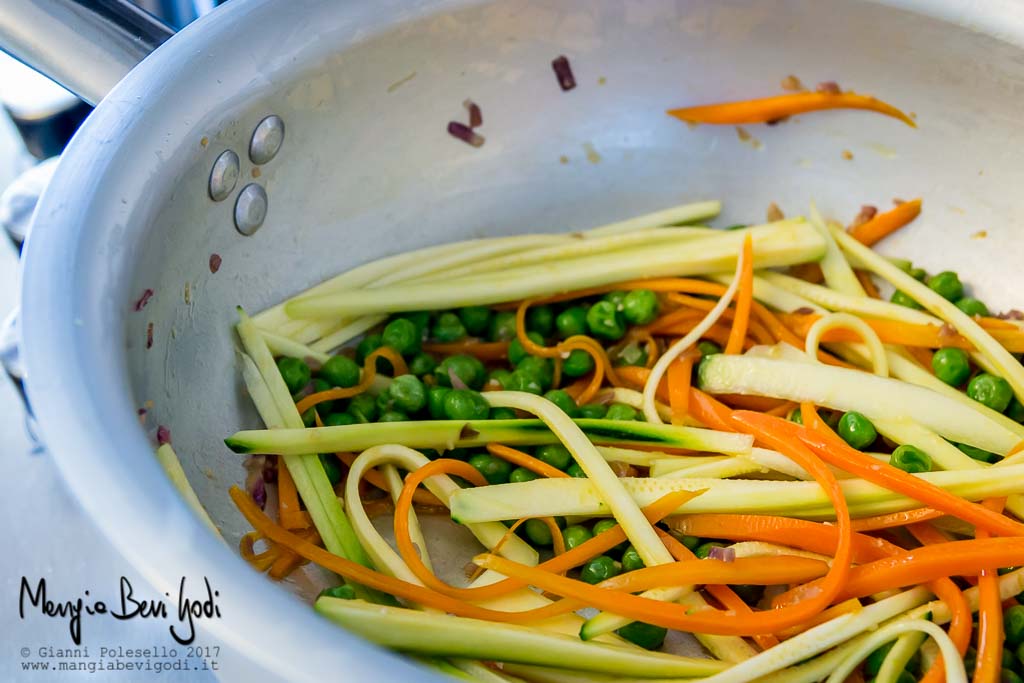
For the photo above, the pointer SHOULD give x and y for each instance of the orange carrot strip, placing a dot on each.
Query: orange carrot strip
(780, 106)
(288, 499)
(471, 347)
(990, 614)
(744, 298)
(886, 223)
(850, 606)
(708, 410)
(894, 519)
(679, 374)
(835, 451)
(808, 272)
(761, 404)
(369, 373)
(377, 480)
(725, 595)
(864, 278)
(517, 457)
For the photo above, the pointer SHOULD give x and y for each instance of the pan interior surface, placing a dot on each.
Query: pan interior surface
(366, 169)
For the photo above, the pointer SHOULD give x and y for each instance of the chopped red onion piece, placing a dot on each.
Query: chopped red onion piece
(313, 364)
(258, 491)
(456, 381)
(563, 72)
(143, 300)
(1012, 314)
(722, 554)
(476, 117)
(215, 261)
(464, 133)
(830, 87)
(149, 336)
(163, 435)
(804, 310)
(270, 470)
(141, 412)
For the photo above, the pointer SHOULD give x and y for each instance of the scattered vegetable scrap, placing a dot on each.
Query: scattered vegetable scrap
(883, 224)
(780, 106)
(792, 84)
(465, 133)
(563, 72)
(143, 300)
(847, 154)
(476, 117)
(163, 435)
(149, 336)
(215, 261)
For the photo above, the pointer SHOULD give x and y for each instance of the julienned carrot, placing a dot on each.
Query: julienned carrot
(761, 404)
(695, 308)
(288, 500)
(477, 349)
(836, 452)
(780, 106)
(377, 480)
(725, 595)
(990, 614)
(851, 606)
(678, 377)
(365, 382)
(883, 224)
(744, 299)
(517, 457)
(894, 519)
(563, 562)
(710, 411)
(904, 334)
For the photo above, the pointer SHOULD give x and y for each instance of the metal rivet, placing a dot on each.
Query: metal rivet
(266, 139)
(250, 209)
(224, 175)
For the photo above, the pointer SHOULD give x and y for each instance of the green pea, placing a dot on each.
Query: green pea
(977, 453)
(498, 376)
(339, 420)
(574, 470)
(516, 352)
(494, 470)
(647, 636)
(332, 468)
(708, 348)
(502, 414)
(992, 391)
(575, 535)
(796, 416)
(971, 657)
(1013, 625)
(571, 322)
(384, 402)
(408, 393)
(620, 411)
(1020, 654)
(368, 345)
(972, 306)
(401, 335)
(538, 532)
(598, 569)
(856, 430)
(640, 307)
(905, 677)
(295, 372)
(593, 411)
(873, 662)
(523, 381)
(952, 366)
(1009, 661)
(539, 369)
(918, 274)
(1008, 676)
(911, 459)
(1015, 411)
(691, 542)
(502, 326)
(420, 319)
(616, 297)
(748, 593)
(309, 417)
(904, 299)
(631, 560)
(540, 319)
(467, 368)
(465, 404)
(704, 549)
(435, 402)
(603, 525)
(605, 322)
(448, 328)
(578, 363)
(475, 319)
(946, 284)
(393, 416)
(521, 475)
(556, 455)
(422, 364)
(340, 371)
(565, 402)
(323, 407)
(344, 592)
(363, 408)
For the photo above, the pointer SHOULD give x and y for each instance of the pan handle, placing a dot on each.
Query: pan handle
(85, 45)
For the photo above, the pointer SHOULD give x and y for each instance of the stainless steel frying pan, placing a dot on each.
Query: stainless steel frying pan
(364, 90)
